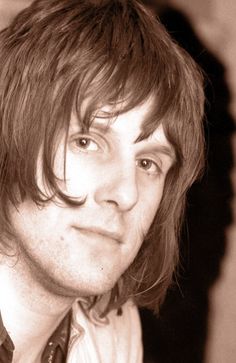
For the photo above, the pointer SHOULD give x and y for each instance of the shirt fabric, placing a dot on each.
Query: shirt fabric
(84, 337)
(55, 350)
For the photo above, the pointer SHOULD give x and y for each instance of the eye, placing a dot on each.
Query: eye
(86, 143)
(149, 165)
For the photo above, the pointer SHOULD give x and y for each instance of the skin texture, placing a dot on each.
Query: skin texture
(81, 251)
(65, 252)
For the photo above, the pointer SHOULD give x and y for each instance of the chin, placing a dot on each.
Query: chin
(99, 286)
(97, 283)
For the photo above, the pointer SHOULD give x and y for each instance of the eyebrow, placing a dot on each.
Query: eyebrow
(161, 149)
(152, 147)
(102, 126)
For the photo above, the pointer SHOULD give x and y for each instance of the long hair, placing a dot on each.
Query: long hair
(58, 53)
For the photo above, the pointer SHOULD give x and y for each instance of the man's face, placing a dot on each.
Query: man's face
(83, 250)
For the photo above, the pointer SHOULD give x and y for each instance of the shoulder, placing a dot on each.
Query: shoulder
(116, 338)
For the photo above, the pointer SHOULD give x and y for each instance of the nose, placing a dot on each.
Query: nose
(118, 186)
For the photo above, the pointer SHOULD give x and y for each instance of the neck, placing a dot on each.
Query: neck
(30, 314)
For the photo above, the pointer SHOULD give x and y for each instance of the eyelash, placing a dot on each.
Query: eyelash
(147, 161)
(89, 140)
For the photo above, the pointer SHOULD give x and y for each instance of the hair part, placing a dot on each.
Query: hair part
(57, 56)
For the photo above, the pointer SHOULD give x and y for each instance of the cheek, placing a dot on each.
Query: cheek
(149, 206)
(141, 219)
(79, 175)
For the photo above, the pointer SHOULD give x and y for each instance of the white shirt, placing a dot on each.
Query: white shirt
(113, 339)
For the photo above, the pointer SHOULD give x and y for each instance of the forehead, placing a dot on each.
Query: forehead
(127, 123)
(126, 129)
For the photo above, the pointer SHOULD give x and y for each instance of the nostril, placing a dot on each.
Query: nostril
(118, 190)
(124, 195)
(112, 202)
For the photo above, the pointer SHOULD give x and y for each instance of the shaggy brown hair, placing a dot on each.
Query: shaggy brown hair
(56, 54)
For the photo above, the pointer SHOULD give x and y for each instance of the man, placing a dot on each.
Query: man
(101, 136)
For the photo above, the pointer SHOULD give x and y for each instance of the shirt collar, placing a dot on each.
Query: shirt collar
(59, 340)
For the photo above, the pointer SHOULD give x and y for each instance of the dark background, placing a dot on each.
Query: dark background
(179, 334)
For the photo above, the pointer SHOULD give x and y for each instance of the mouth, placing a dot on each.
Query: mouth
(101, 232)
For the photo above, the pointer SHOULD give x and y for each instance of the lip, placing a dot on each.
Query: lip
(116, 236)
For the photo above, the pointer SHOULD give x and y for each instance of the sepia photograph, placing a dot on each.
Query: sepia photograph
(117, 181)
